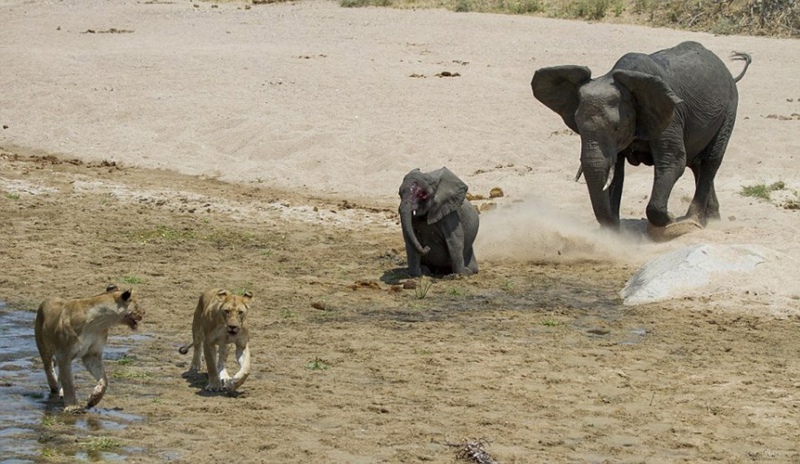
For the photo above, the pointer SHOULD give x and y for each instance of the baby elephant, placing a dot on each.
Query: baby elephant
(439, 224)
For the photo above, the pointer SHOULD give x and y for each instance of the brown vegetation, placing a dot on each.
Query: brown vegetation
(779, 18)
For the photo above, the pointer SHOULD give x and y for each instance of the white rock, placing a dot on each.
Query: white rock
(684, 272)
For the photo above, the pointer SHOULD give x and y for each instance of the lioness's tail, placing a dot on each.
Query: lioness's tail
(741, 56)
(185, 348)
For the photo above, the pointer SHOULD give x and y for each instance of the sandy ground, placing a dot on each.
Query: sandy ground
(262, 148)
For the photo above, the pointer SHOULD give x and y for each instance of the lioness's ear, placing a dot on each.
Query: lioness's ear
(126, 295)
(247, 296)
(111, 288)
(222, 293)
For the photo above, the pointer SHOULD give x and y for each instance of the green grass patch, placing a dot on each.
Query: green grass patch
(550, 322)
(12, 196)
(101, 444)
(246, 287)
(762, 191)
(131, 279)
(130, 374)
(125, 361)
(288, 314)
(317, 364)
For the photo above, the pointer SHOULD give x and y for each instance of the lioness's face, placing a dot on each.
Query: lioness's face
(232, 310)
(132, 313)
(135, 313)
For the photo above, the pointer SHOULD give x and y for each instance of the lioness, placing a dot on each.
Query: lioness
(219, 320)
(70, 329)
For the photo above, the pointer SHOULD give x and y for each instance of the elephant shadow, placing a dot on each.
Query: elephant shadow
(399, 275)
(643, 230)
(395, 276)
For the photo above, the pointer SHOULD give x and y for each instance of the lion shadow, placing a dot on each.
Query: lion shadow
(198, 380)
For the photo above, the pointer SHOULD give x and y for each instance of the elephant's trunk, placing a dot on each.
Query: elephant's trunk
(406, 213)
(598, 170)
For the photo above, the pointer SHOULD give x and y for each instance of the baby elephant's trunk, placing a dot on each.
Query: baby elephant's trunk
(408, 228)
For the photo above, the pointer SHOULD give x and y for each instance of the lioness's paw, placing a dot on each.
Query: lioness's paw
(233, 383)
(214, 388)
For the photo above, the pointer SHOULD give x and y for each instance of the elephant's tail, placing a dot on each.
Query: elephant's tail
(741, 56)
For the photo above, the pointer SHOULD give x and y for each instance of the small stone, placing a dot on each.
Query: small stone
(496, 192)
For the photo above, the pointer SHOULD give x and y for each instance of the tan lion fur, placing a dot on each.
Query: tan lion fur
(69, 329)
(219, 320)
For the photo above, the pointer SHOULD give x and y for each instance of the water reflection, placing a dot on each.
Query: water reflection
(27, 408)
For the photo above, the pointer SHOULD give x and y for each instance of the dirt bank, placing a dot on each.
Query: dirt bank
(541, 361)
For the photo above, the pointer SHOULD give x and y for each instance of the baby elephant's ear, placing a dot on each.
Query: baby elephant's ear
(450, 194)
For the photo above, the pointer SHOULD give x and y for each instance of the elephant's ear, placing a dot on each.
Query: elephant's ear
(450, 193)
(557, 87)
(653, 101)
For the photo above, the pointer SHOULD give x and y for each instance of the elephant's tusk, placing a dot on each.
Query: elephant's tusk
(579, 173)
(610, 178)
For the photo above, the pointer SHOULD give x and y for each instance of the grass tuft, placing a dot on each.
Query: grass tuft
(132, 279)
(550, 322)
(317, 364)
(364, 3)
(101, 444)
(423, 286)
(762, 191)
(756, 17)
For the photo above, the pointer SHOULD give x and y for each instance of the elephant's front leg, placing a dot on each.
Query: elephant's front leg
(243, 358)
(413, 258)
(615, 189)
(669, 162)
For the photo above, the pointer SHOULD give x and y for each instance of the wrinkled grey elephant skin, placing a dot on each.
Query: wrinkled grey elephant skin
(672, 109)
(439, 223)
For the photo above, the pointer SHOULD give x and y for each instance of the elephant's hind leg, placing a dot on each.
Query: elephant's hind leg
(705, 205)
(470, 262)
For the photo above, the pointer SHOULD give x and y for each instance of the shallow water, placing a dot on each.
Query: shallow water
(26, 408)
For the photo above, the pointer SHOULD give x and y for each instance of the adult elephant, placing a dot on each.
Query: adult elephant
(671, 109)
(439, 224)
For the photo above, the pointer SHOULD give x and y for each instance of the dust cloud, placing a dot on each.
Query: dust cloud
(536, 231)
